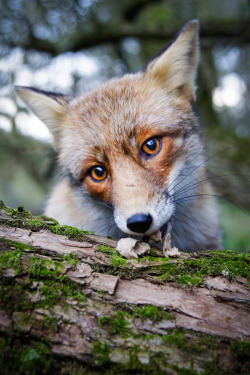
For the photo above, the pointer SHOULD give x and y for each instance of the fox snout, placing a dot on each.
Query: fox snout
(147, 223)
(144, 210)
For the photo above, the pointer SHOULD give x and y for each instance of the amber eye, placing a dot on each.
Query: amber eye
(152, 146)
(98, 173)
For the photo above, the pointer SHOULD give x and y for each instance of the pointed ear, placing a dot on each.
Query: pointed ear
(175, 67)
(51, 108)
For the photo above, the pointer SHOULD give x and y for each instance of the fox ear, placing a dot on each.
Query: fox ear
(51, 108)
(175, 67)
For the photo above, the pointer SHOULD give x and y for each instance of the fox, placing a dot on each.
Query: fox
(132, 153)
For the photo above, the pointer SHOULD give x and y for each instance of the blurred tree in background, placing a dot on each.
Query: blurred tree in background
(72, 46)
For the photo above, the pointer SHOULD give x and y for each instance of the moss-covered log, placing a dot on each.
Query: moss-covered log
(70, 304)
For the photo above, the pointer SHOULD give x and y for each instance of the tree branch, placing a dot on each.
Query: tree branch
(223, 32)
(71, 294)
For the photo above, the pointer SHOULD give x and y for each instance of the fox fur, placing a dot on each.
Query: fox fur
(108, 127)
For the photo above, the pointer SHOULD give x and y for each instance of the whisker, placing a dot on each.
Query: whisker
(203, 196)
(105, 226)
(194, 169)
(99, 218)
(116, 232)
(192, 184)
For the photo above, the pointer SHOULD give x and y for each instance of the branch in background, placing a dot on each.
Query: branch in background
(223, 32)
(135, 7)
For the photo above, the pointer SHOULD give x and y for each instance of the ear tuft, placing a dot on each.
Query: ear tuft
(50, 107)
(175, 68)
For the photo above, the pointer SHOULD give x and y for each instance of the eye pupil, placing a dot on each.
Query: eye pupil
(99, 171)
(151, 144)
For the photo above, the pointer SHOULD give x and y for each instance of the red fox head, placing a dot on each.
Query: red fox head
(127, 142)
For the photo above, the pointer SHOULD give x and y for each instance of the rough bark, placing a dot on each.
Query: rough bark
(69, 304)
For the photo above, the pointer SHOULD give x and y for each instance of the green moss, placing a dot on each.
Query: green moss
(50, 294)
(241, 350)
(19, 212)
(9, 244)
(101, 292)
(66, 367)
(212, 367)
(53, 288)
(153, 313)
(23, 358)
(72, 232)
(23, 219)
(71, 291)
(134, 366)
(220, 263)
(54, 291)
(56, 285)
(116, 323)
(106, 249)
(43, 268)
(192, 271)
(49, 322)
(11, 259)
(23, 321)
(101, 352)
(119, 322)
(176, 338)
(35, 224)
(117, 261)
(71, 258)
(152, 258)
(185, 371)
(208, 342)
(115, 258)
(14, 296)
(49, 220)
(118, 268)
(191, 344)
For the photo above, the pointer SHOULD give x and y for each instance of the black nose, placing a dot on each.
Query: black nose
(139, 223)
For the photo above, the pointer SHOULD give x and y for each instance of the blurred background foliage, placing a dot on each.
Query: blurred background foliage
(71, 46)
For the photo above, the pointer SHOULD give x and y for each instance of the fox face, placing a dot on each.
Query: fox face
(126, 144)
(128, 151)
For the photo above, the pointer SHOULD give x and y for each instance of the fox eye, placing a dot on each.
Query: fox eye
(152, 146)
(98, 173)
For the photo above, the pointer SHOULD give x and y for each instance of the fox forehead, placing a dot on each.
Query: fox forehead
(124, 111)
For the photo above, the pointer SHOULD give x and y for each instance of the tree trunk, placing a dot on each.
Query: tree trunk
(70, 304)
